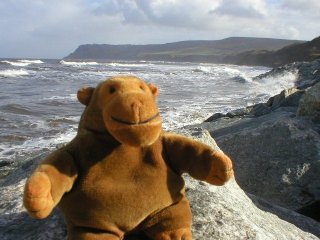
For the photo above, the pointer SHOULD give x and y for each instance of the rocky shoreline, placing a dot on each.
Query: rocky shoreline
(275, 147)
(225, 212)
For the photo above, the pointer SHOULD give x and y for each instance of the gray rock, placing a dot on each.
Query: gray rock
(309, 73)
(287, 98)
(238, 112)
(260, 109)
(227, 212)
(276, 156)
(310, 103)
(311, 210)
(215, 117)
(219, 212)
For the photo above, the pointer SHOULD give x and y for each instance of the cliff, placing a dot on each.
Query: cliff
(187, 51)
(308, 51)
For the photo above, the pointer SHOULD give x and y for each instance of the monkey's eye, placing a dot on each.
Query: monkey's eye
(112, 90)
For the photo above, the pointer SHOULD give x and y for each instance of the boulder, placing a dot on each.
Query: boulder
(228, 212)
(260, 109)
(225, 212)
(308, 73)
(287, 98)
(310, 103)
(238, 112)
(276, 156)
(215, 117)
(311, 210)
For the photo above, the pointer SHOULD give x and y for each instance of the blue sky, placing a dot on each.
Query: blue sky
(53, 28)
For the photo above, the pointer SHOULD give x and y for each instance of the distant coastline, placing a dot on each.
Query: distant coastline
(235, 50)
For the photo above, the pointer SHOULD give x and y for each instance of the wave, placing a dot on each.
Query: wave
(16, 109)
(22, 63)
(140, 64)
(17, 64)
(78, 64)
(69, 97)
(242, 78)
(271, 85)
(55, 122)
(218, 70)
(33, 146)
(13, 73)
(31, 61)
(203, 69)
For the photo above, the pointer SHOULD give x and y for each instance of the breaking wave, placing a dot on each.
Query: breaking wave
(22, 63)
(13, 73)
(35, 145)
(31, 61)
(68, 97)
(220, 70)
(78, 64)
(140, 64)
(271, 85)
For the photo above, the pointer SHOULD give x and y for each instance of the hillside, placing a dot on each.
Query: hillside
(192, 51)
(307, 51)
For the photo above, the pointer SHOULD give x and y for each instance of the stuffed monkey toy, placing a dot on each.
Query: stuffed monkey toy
(121, 175)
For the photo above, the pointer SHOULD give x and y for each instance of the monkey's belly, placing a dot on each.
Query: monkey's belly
(119, 201)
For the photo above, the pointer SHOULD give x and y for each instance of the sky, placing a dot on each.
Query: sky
(55, 28)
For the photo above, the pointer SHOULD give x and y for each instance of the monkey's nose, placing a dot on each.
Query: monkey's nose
(135, 106)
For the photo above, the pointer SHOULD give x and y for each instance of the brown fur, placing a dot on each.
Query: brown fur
(121, 175)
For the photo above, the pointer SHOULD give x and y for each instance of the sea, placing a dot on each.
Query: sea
(39, 109)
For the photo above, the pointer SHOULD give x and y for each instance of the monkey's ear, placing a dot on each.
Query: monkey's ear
(84, 95)
(154, 89)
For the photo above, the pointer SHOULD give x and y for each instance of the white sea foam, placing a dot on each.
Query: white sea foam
(204, 69)
(13, 73)
(34, 145)
(22, 63)
(133, 65)
(68, 97)
(232, 72)
(75, 119)
(78, 64)
(225, 71)
(17, 64)
(272, 85)
(31, 61)
(178, 117)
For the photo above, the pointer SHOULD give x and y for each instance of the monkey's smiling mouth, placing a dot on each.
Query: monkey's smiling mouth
(133, 123)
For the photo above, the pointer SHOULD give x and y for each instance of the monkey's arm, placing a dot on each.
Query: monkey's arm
(45, 187)
(197, 159)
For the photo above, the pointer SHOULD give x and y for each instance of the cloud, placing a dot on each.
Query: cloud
(185, 14)
(109, 7)
(171, 13)
(50, 28)
(241, 8)
(302, 6)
